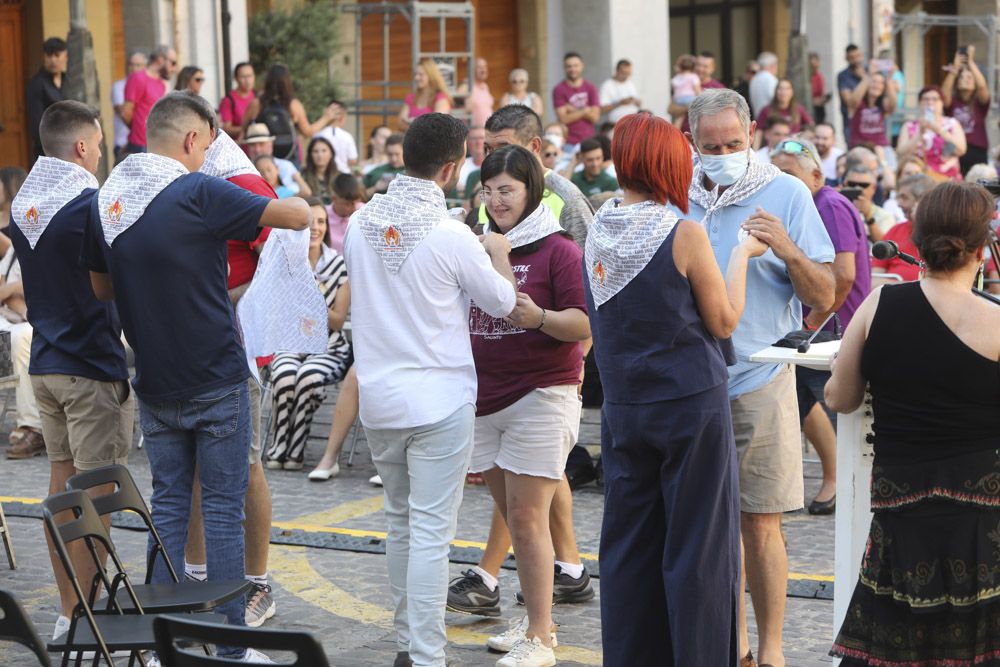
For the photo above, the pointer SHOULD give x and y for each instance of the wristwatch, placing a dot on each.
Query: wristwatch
(870, 221)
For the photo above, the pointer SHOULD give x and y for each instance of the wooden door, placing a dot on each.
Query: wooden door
(13, 132)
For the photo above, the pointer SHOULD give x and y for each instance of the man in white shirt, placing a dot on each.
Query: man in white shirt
(829, 152)
(413, 271)
(618, 95)
(136, 62)
(764, 82)
(345, 150)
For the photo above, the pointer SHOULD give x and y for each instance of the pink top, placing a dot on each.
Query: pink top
(337, 227)
(233, 106)
(685, 84)
(479, 103)
(143, 91)
(795, 123)
(411, 100)
(932, 148)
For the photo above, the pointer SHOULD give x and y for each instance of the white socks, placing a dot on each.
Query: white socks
(260, 581)
(575, 571)
(196, 572)
(488, 579)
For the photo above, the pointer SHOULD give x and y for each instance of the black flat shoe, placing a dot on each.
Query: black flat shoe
(822, 508)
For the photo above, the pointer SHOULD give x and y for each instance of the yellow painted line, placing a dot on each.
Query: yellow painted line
(353, 509)
(289, 566)
(15, 499)
(798, 576)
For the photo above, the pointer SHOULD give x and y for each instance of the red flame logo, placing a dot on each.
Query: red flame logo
(31, 216)
(115, 210)
(393, 238)
(599, 273)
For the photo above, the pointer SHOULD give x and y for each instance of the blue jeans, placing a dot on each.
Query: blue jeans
(423, 475)
(212, 430)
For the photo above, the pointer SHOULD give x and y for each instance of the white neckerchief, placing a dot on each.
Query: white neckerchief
(131, 186)
(395, 223)
(224, 159)
(758, 175)
(51, 184)
(621, 242)
(283, 310)
(539, 224)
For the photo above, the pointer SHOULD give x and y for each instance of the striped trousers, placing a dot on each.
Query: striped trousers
(297, 383)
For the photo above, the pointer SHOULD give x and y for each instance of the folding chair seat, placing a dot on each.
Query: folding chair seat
(15, 626)
(175, 596)
(171, 629)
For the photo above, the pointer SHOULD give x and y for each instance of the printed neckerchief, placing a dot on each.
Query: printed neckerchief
(758, 175)
(51, 184)
(395, 223)
(224, 159)
(539, 224)
(621, 242)
(130, 188)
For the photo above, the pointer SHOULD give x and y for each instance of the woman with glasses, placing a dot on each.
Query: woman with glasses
(928, 590)
(519, 93)
(190, 79)
(938, 139)
(661, 315)
(869, 106)
(528, 408)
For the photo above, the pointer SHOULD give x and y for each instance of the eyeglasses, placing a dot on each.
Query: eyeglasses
(199, 79)
(792, 147)
(857, 184)
(519, 81)
(504, 196)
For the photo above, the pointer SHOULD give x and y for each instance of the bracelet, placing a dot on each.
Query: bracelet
(542, 323)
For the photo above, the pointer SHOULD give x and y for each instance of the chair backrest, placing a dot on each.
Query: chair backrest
(125, 497)
(168, 629)
(16, 626)
(86, 525)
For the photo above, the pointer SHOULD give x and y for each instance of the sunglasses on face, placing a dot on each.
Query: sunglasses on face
(857, 184)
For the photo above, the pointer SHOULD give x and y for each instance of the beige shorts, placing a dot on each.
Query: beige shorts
(768, 447)
(532, 436)
(256, 448)
(85, 421)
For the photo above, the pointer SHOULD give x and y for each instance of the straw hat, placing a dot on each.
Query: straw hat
(256, 133)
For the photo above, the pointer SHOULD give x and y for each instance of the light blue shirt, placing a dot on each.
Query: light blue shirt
(772, 309)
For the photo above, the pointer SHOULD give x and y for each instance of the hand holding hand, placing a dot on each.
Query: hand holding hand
(526, 314)
(770, 230)
(753, 246)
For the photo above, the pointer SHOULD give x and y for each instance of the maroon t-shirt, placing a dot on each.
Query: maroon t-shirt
(868, 125)
(972, 117)
(584, 96)
(512, 362)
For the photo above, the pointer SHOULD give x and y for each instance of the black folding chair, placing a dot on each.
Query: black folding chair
(105, 630)
(171, 629)
(176, 596)
(15, 626)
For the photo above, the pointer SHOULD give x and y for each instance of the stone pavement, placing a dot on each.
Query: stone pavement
(342, 596)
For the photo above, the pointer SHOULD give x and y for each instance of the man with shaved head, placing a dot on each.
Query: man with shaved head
(77, 366)
(157, 245)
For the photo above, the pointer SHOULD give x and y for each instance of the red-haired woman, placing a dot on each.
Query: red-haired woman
(660, 315)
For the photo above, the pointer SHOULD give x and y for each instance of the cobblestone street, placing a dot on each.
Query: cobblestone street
(342, 596)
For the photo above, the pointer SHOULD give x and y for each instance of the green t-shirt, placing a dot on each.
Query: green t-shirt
(373, 176)
(604, 182)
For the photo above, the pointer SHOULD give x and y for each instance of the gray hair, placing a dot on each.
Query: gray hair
(862, 154)
(766, 59)
(981, 172)
(714, 101)
(518, 70)
(162, 51)
(857, 167)
(917, 184)
(808, 161)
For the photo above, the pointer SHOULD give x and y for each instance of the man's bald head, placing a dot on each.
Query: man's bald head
(181, 125)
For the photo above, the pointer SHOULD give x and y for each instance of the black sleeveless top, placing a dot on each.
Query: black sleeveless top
(936, 405)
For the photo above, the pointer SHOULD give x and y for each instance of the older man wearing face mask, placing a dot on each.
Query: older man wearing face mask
(732, 193)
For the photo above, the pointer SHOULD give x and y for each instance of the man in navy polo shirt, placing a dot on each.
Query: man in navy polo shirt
(78, 371)
(158, 233)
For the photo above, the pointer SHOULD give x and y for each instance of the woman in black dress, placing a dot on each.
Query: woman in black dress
(928, 593)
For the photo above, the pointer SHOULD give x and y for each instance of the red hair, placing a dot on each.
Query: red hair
(651, 155)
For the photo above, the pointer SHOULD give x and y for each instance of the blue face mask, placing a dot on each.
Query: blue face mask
(725, 169)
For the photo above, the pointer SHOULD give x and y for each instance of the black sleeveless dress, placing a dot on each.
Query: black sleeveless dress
(928, 592)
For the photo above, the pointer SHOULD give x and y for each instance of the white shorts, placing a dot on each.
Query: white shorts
(530, 437)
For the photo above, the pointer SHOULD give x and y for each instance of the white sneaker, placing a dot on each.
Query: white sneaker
(516, 633)
(529, 653)
(61, 628)
(375, 479)
(258, 658)
(153, 662)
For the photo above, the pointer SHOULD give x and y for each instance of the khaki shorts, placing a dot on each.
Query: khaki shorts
(768, 447)
(85, 421)
(532, 436)
(255, 441)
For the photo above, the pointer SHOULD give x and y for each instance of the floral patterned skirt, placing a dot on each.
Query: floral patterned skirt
(928, 592)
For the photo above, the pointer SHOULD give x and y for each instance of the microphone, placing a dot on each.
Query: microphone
(804, 345)
(889, 250)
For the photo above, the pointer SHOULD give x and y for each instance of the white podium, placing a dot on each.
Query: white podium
(854, 469)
